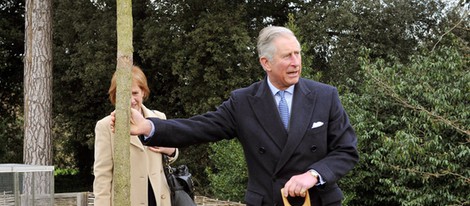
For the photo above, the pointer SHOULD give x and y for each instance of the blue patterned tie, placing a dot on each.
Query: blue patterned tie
(283, 109)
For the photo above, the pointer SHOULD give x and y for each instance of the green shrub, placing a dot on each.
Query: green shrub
(228, 179)
(412, 121)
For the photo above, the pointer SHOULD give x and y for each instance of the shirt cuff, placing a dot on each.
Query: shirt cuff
(320, 179)
(152, 132)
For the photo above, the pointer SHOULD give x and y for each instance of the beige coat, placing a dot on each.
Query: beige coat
(145, 165)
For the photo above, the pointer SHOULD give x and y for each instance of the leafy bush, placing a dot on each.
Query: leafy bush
(413, 124)
(228, 179)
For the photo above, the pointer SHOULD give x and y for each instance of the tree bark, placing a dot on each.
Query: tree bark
(38, 87)
(124, 82)
(38, 83)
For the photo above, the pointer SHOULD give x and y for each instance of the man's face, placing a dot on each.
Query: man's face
(286, 66)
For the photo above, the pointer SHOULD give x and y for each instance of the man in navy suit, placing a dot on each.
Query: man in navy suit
(310, 152)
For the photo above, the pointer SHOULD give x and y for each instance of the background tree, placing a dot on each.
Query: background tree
(11, 80)
(38, 90)
(335, 31)
(414, 122)
(413, 118)
(85, 59)
(38, 83)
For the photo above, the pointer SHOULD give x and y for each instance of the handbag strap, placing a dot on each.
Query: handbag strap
(306, 202)
(166, 164)
(168, 171)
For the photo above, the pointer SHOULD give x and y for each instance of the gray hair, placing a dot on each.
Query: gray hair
(266, 36)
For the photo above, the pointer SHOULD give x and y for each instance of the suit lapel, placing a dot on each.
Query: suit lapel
(265, 110)
(302, 108)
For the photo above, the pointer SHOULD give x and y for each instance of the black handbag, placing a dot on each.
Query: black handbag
(181, 184)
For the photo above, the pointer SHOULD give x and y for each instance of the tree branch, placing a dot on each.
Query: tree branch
(391, 92)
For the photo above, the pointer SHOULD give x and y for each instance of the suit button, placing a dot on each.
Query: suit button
(262, 150)
(313, 148)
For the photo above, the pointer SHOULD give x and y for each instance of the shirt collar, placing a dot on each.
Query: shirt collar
(274, 90)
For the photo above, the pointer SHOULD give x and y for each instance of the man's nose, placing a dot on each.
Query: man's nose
(295, 60)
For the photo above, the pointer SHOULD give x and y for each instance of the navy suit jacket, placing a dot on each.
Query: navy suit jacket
(274, 155)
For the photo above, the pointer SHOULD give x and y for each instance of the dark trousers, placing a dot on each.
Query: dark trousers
(151, 196)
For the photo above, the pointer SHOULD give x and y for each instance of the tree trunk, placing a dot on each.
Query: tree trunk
(124, 81)
(38, 88)
(38, 83)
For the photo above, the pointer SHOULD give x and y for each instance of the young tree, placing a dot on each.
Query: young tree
(121, 173)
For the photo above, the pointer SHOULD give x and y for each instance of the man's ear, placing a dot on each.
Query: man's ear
(265, 63)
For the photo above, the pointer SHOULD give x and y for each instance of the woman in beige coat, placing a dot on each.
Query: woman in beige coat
(148, 182)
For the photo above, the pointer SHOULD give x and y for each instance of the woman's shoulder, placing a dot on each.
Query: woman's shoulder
(104, 120)
(159, 114)
(153, 113)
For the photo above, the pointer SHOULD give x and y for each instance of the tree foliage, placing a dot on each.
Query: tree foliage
(84, 61)
(229, 176)
(11, 78)
(413, 122)
(335, 31)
